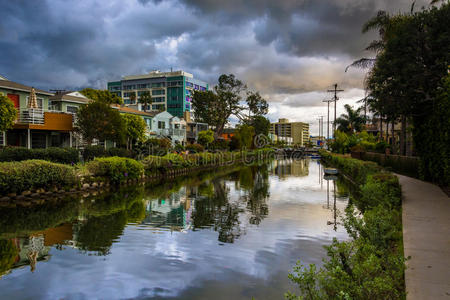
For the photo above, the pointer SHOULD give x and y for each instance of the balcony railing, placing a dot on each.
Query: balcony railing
(31, 116)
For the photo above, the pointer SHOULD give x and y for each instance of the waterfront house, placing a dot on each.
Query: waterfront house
(37, 124)
(164, 125)
(146, 116)
(193, 128)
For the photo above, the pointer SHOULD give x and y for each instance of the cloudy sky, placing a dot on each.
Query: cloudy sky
(291, 51)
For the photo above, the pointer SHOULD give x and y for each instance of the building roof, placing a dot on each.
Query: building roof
(70, 97)
(129, 110)
(20, 87)
(156, 74)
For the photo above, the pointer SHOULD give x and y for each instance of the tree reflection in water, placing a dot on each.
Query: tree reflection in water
(214, 207)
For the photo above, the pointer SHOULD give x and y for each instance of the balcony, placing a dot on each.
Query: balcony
(36, 118)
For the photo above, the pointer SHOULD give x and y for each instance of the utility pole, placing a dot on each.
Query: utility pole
(328, 118)
(335, 99)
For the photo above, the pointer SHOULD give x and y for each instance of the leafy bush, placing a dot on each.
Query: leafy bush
(179, 148)
(117, 169)
(57, 155)
(371, 266)
(205, 137)
(16, 177)
(8, 254)
(219, 145)
(196, 148)
(356, 169)
(91, 152)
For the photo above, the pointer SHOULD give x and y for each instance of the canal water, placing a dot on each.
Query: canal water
(232, 234)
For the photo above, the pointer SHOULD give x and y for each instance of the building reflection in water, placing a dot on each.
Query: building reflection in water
(211, 204)
(290, 167)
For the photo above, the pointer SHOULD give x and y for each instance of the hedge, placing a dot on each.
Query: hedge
(117, 169)
(57, 155)
(356, 169)
(16, 177)
(372, 264)
(91, 152)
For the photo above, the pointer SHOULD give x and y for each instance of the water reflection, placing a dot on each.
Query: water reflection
(239, 232)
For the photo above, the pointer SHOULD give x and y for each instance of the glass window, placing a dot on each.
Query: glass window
(72, 109)
(161, 124)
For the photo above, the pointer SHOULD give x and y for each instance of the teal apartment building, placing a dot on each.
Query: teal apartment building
(170, 91)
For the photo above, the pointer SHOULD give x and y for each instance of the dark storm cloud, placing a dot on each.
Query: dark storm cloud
(279, 47)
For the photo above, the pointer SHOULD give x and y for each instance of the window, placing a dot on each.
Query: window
(177, 126)
(158, 84)
(72, 109)
(161, 125)
(158, 99)
(141, 86)
(158, 92)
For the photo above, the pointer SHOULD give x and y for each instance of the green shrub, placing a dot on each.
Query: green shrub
(16, 177)
(196, 148)
(372, 264)
(117, 169)
(154, 164)
(120, 152)
(8, 254)
(356, 169)
(57, 155)
(91, 152)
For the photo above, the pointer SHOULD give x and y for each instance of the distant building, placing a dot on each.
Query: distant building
(228, 133)
(317, 140)
(296, 133)
(170, 91)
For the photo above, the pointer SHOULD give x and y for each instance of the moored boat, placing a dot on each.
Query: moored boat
(330, 171)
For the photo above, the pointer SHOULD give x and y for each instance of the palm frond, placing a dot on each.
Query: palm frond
(362, 63)
(375, 45)
(377, 22)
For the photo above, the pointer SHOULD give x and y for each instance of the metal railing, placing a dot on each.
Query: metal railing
(31, 116)
(37, 115)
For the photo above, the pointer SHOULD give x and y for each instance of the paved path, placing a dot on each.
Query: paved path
(426, 238)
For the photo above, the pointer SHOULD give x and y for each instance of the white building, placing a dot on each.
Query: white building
(168, 126)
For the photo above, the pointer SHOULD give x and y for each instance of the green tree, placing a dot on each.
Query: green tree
(246, 134)
(104, 96)
(216, 107)
(406, 81)
(97, 120)
(257, 105)
(351, 121)
(205, 137)
(261, 125)
(135, 129)
(8, 113)
(145, 99)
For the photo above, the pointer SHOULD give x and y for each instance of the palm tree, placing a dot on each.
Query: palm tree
(145, 99)
(351, 121)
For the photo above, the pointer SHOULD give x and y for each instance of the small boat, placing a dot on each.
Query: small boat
(330, 171)
(330, 177)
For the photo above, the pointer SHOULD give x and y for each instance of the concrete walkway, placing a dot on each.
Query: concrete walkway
(426, 238)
